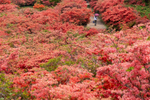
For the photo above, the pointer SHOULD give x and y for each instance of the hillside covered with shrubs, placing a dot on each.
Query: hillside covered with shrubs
(48, 53)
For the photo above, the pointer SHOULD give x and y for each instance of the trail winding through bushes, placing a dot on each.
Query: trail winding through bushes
(99, 24)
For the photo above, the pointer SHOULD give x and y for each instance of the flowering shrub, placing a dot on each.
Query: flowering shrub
(76, 16)
(50, 2)
(5, 1)
(128, 59)
(2, 33)
(103, 5)
(7, 8)
(91, 31)
(74, 12)
(117, 14)
(134, 75)
(71, 74)
(39, 6)
(23, 2)
(93, 3)
(137, 2)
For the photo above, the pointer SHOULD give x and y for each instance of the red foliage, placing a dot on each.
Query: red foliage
(130, 62)
(143, 20)
(74, 12)
(39, 6)
(103, 5)
(2, 33)
(5, 1)
(68, 74)
(7, 8)
(117, 14)
(91, 31)
(76, 16)
(137, 2)
(93, 3)
(47, 2)
(23, 2)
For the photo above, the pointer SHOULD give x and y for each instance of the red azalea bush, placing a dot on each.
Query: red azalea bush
(67, 5)
(28, 12)
(76, 16)
(50, 2)
(137, 2)
(39, 6)
(129, 64)
(117, 14)
(5, 1)
(93, 3)
(103, 5)
(91, 31)
(7, 8)
(143, 20)
(74, 12)
(23, 2)
(18, 24)
(71, 74)
(2, 33)
(47, 2)
(134, 74)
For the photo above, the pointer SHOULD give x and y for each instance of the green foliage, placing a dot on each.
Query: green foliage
(46, 31)
(3, 14)
(12, 45)
(148, 38)
(55, 1)
(52, 64)
(9, 31)
(130, 69)
(7, 91)
(143, 10)
(141, 27)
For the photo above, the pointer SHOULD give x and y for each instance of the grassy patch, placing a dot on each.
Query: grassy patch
(143, 10)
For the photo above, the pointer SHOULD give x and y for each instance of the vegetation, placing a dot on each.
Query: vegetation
(47, 54)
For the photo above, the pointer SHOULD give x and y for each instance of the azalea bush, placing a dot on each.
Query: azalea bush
(39, 6)
(50, 2)
(125, 61)
(5, 1)
(23, 2)
(7, 8)
(117, 14)
(74, 12)
(137, 2)
(103, 5)
(93, 3)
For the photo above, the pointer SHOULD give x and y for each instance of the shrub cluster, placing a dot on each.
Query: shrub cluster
(45, 57)
(32, 2)
(115, 13)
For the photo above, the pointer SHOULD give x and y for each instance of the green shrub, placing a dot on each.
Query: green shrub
(52, 64)
(143, 10)
(7, 91)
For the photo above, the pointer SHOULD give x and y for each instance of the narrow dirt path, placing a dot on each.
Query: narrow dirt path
(99, 25)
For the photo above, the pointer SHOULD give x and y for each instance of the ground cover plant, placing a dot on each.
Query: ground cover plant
(49, 54)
